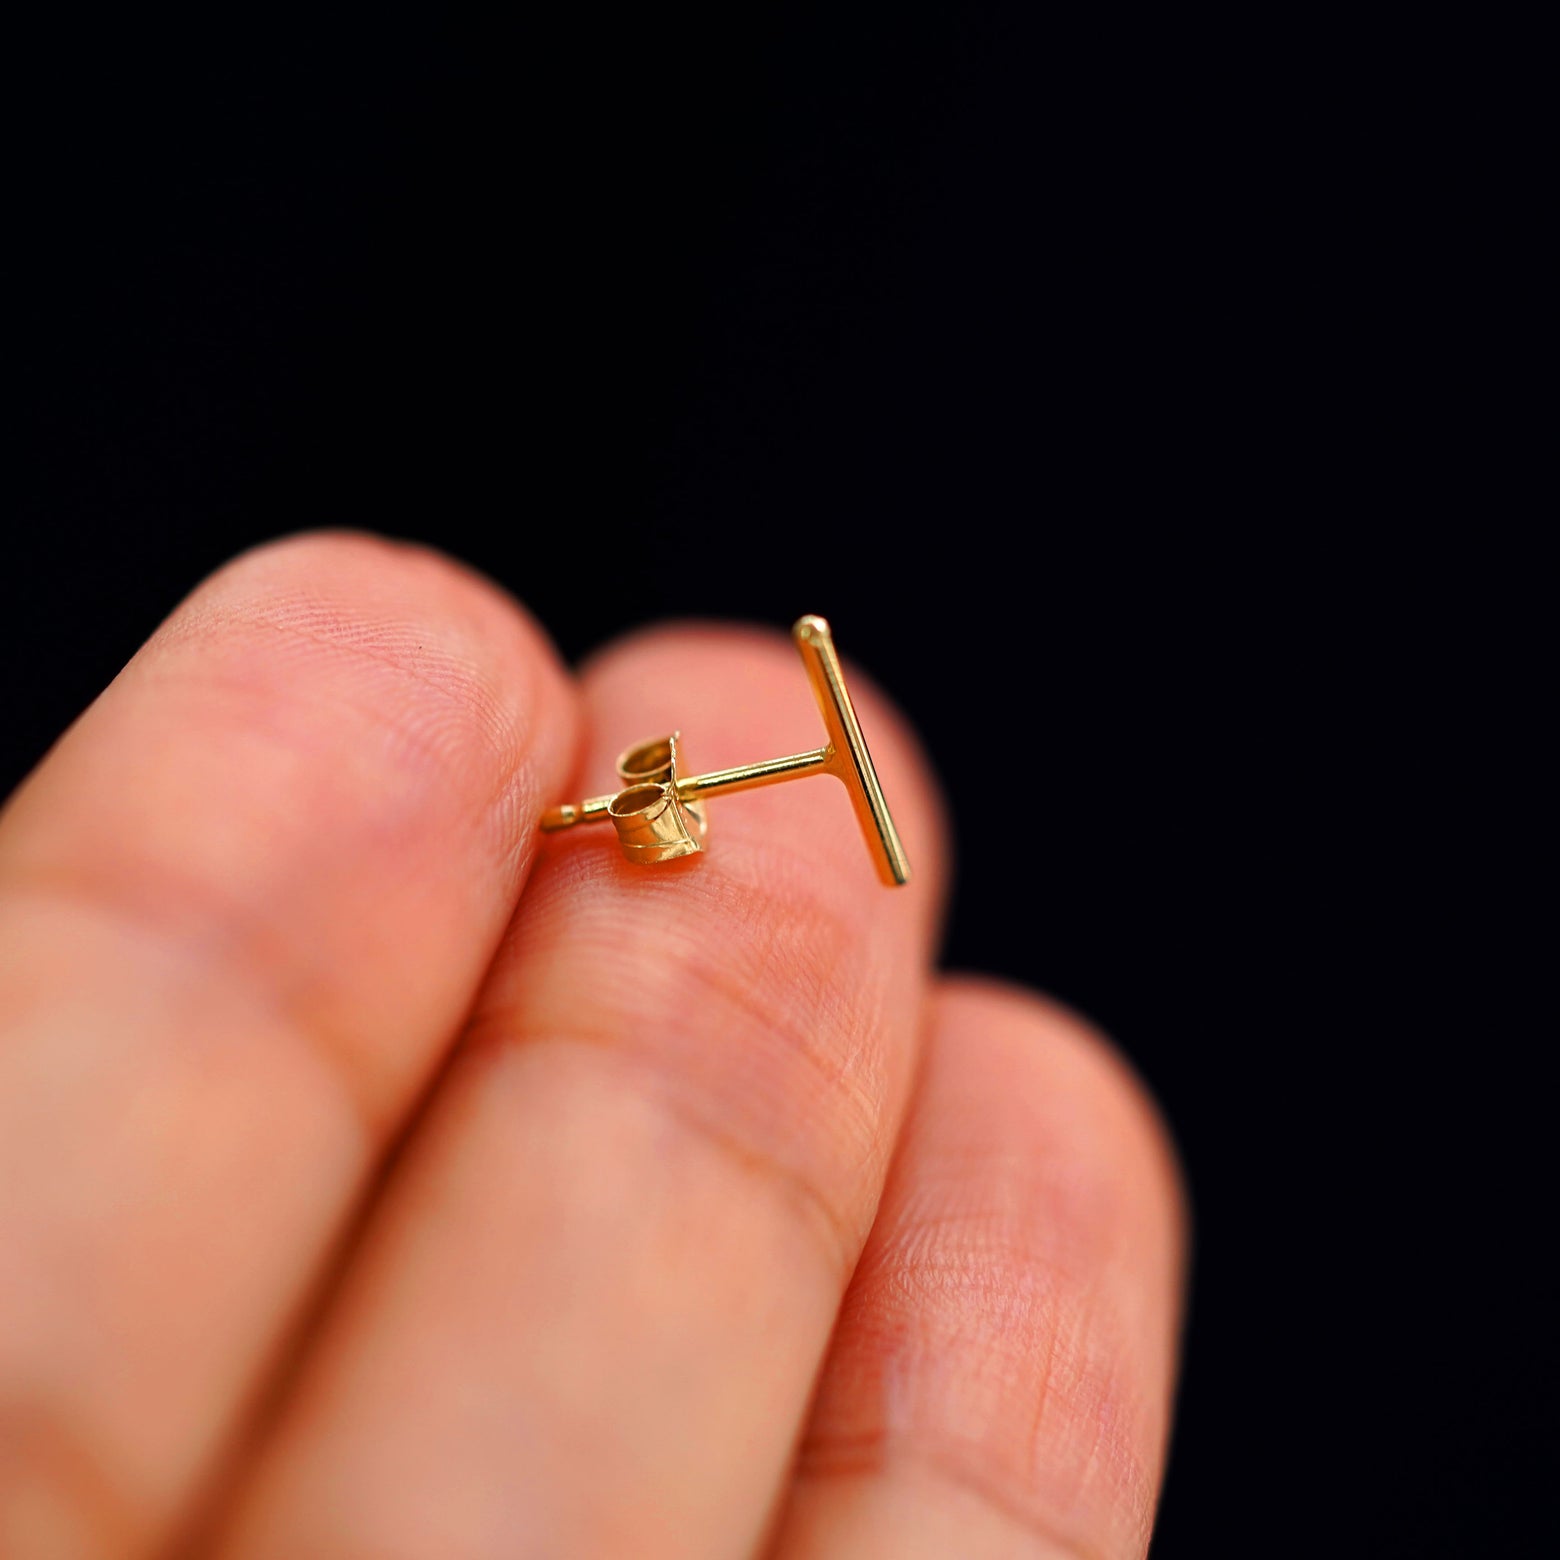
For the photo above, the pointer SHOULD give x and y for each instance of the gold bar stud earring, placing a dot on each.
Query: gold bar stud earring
(659, 814)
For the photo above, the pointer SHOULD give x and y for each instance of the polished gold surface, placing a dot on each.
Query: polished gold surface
(659, 815)
(653, 823)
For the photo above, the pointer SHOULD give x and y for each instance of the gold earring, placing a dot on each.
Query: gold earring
(659, 814)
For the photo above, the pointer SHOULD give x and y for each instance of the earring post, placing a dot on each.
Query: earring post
(693, 788)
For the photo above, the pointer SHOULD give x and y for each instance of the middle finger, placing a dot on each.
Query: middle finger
(607, 1271)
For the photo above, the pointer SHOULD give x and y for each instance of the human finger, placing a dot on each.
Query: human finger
(999, 1383)
(244, 907)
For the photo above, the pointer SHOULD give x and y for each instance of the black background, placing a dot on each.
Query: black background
(1074, 374)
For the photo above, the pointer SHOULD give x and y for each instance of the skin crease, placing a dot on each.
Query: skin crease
(378, 1180)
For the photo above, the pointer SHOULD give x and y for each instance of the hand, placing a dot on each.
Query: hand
(379, 1181)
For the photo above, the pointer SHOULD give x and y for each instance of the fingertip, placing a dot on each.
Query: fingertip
(1074, 1070)
(346, 579)
(1011, 1327)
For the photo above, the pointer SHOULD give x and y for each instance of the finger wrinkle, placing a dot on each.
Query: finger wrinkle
(798, 987)
(491, 1044)
(880, 1456)
(57, 1496)
(232, 958)
(964, 1339)
(199, 976)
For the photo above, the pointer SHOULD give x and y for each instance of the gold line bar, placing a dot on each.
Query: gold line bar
(852, 762)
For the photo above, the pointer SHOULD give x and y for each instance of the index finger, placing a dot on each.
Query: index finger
(244, 906)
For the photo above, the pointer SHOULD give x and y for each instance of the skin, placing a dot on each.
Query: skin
(378, 1180)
